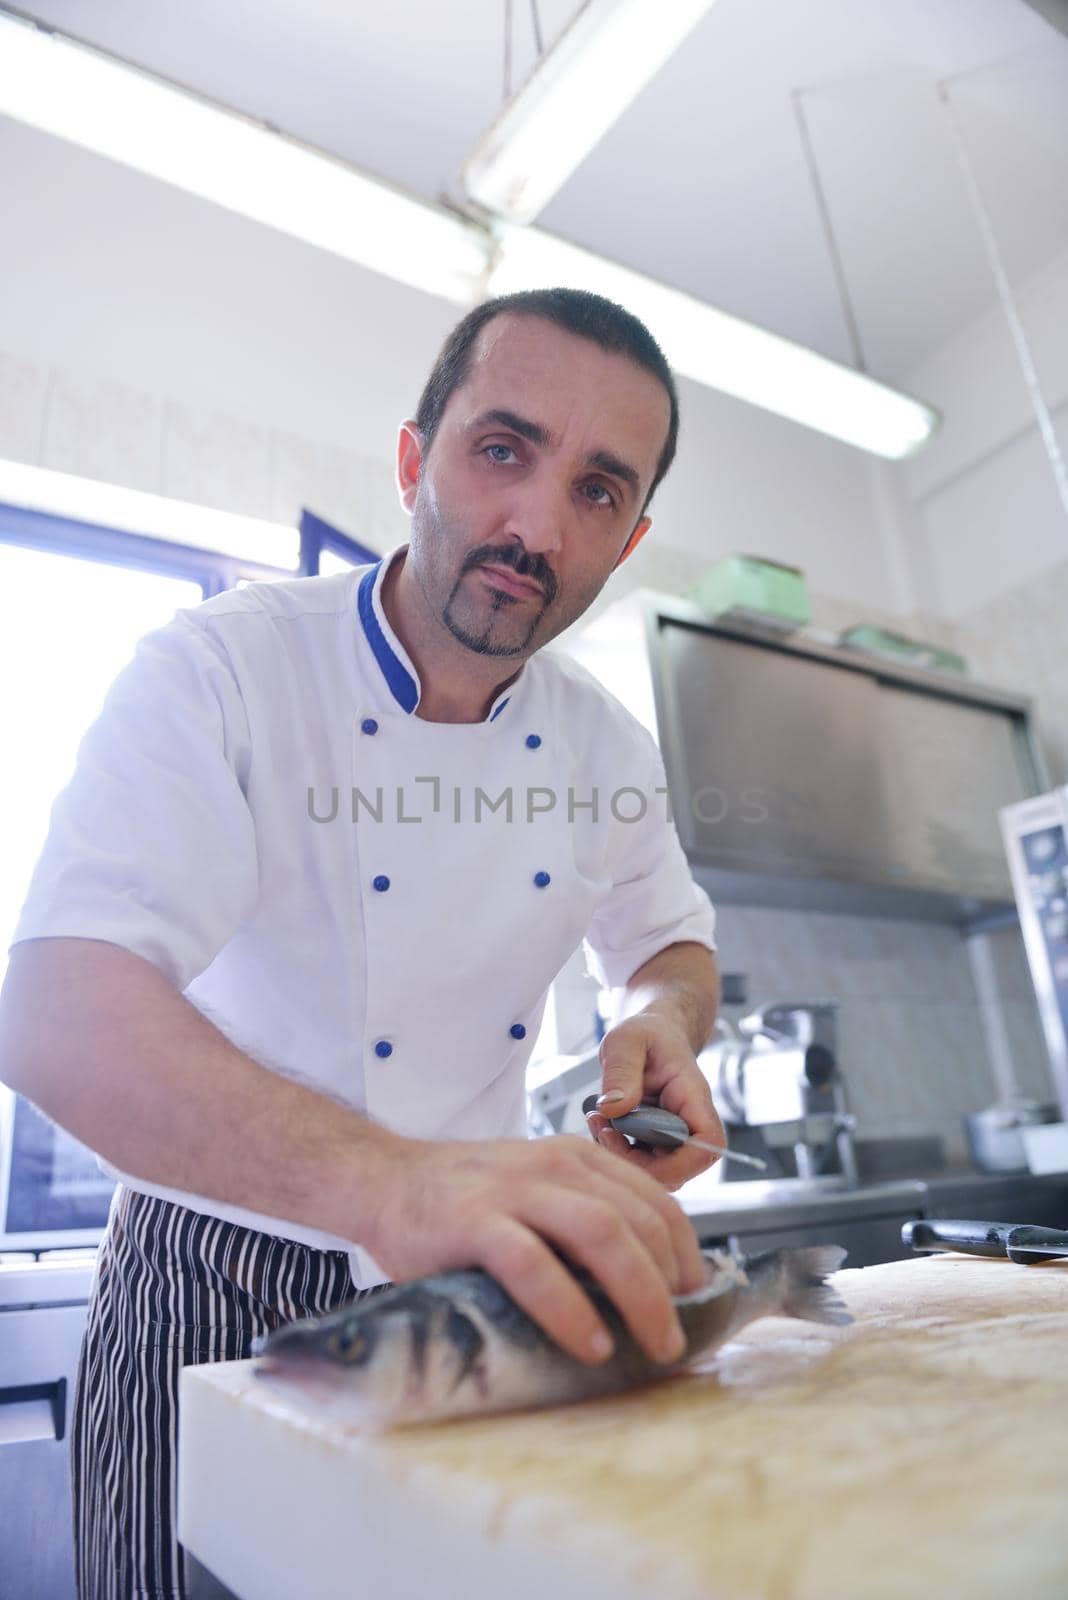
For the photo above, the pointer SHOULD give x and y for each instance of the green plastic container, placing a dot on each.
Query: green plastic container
(899, 647)
(752, 589)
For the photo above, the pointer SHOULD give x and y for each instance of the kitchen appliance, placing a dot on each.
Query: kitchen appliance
(1035, 833)
(808, 776)
(777, 1085)
(42, 1315)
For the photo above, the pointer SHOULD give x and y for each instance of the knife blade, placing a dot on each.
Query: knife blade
(1021, 1242)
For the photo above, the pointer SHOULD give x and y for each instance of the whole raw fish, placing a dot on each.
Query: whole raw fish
(456, 1344)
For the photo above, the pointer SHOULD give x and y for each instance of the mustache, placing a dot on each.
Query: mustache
(534, 568)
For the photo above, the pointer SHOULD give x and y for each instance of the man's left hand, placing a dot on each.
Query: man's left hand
(649, 1058)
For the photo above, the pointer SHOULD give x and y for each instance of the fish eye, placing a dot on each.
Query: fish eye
(350, 1342)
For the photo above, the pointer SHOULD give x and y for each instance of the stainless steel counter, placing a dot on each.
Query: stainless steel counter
(867, 1220)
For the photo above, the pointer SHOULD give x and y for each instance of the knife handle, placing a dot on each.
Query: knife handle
(648, 1124)
(974, 1238)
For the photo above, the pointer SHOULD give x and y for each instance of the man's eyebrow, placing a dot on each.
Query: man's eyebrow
(515, 424)
(604, 461)
(600, 460)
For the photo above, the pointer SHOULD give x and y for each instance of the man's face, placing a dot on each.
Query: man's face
(533, 484)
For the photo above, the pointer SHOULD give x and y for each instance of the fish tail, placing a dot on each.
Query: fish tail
(808, 1294)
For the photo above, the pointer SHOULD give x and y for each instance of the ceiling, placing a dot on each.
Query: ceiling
(702, 183)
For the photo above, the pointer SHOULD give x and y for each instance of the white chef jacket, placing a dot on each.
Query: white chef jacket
(363, 900)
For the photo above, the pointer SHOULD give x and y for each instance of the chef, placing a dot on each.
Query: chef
(285, 953)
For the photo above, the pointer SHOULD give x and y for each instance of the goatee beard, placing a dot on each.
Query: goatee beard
(534, 568)
(482, 644)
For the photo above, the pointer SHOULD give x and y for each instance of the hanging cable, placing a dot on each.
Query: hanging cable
(995, 261)
(508, 5)
(844, 297)
(535, 22)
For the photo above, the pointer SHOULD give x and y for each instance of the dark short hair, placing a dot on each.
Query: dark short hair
(577, 311)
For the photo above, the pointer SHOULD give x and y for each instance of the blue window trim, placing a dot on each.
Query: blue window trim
(317, 535)
(213, 570)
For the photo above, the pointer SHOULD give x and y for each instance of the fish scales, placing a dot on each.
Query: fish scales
(456, 1344)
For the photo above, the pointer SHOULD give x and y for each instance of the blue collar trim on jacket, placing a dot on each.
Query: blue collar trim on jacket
(404, 688)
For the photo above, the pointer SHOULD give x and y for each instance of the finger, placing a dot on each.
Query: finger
(593, 1234)
(660, 1163)
(541, 1285)
(690, 1098)
(670, 1169)
(652, 1224)
(596, 1124)
(622, 1055)
(607, 1137)
(566, 1160)
(637, 1173)
(673, 1168)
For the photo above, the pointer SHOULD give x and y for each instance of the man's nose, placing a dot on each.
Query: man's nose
(538, 516)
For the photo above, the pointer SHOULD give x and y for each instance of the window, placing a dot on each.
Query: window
(67, 627)
(74, 601)
(324, 549)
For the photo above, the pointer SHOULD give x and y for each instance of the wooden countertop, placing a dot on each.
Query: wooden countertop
(922, 1452)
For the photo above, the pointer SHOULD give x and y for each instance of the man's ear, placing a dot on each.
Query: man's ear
(409, 461)
(635, 540)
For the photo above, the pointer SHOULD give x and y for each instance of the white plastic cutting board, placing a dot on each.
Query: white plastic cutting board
(921, 1453)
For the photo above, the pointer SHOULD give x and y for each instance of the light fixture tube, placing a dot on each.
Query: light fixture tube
(79, 94)
(577, 91)
(725, 352)
(109, 505)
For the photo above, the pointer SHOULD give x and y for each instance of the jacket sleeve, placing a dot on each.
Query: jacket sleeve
(151, 846)
(654, 901)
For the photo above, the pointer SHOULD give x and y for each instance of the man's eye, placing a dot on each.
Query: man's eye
(508, 451)
(605, 498)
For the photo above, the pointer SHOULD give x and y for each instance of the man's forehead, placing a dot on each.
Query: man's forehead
(514, 353)
(525, 341)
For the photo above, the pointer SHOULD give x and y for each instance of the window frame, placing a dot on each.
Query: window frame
(317, 535)
(214, 570)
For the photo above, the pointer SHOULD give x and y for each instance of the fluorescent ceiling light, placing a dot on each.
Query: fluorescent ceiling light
(578, 89)
(78, 94)
(108, 505)
(723, 351)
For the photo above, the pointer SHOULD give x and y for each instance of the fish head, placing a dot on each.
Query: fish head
(347, 1339)
(402, 1356)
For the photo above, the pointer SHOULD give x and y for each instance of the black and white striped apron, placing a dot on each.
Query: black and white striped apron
(171, 1288)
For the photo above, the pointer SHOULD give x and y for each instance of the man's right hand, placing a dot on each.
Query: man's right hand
(503, 1205)
(100, 1040)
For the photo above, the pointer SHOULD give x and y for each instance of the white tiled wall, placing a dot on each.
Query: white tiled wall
(22, 407)
(1020, 641)
(103, 430)
(212, 459)
(73, 422)
(911, 1039)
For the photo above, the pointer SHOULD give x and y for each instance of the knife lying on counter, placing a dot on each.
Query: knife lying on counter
(1020, 1242)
